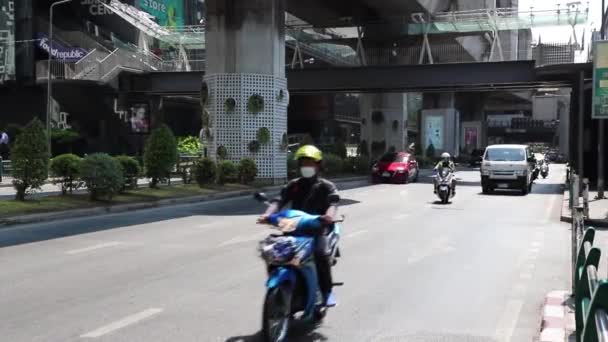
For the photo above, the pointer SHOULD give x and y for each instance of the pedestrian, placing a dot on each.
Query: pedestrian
(4, 145)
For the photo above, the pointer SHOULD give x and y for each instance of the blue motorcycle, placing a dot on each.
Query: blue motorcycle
(292, 286)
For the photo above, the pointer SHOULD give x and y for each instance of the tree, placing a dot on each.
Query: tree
(30, 159)
(160, 155)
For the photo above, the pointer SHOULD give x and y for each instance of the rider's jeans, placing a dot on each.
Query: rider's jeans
(322, 260)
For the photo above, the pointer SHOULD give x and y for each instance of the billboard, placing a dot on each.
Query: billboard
(168, 13)
(139, 118)
(434, 132)
(599, 109)
(7, 40)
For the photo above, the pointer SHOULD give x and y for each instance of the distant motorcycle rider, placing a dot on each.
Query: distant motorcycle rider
(445, 162)
(316, 196)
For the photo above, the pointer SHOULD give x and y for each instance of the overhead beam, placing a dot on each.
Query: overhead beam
(517, 75)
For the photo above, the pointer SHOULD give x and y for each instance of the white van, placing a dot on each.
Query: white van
(507, 167)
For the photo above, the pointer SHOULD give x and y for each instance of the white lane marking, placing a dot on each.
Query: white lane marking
(508, 320)
(400, 216)
(95, 247)
(122, 323)
(353, 234)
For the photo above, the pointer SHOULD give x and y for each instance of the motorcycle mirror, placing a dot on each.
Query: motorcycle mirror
(260, 197)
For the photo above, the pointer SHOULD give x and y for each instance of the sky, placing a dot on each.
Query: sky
(563, 33)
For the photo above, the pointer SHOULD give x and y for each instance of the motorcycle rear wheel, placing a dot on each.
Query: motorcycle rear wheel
(277, 314)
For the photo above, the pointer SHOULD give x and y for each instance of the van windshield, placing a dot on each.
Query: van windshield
(505, 154)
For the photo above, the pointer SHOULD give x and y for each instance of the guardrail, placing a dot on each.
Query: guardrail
(5, 168)
(590, 292)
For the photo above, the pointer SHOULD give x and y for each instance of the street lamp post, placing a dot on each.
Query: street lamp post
(49, 89)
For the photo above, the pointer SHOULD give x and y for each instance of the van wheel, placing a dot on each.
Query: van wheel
(485, 190)
(525, 190)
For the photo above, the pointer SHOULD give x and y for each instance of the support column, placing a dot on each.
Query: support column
(391, 132)
(246, 64)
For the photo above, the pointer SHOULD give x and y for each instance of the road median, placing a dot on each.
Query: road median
(75, 206)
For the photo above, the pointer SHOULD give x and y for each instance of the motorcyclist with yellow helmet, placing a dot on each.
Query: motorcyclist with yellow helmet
(316, 196)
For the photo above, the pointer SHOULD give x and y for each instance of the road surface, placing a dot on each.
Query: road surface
(474, 270)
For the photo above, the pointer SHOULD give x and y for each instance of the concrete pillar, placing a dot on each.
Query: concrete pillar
(245, 61)
(393, 128)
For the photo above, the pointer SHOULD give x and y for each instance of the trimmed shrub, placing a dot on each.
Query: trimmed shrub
(227, 172)
(102, 175)
(333, 164)
(64, 140)
(204, 171)
(363, 166)
(357, 165)
(30, 159)
(160, 155)
(363, 148)
(340, 149)
(66, 169)
(131, 170)
(247, 170)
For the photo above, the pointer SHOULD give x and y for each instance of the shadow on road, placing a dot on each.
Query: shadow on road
(297, 333)
(19, 235)
(537, 189)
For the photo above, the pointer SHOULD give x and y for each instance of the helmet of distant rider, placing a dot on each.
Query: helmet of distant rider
(445, 156)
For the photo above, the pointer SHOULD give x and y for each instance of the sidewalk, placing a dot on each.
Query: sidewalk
(598, 210)
(8, 192)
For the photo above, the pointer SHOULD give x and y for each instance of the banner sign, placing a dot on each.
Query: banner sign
(58, 51)
(168, 13)
(599, 109)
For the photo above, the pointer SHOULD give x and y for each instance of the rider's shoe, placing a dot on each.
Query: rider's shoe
(331, 300)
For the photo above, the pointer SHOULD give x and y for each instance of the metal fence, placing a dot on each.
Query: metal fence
(590, 292)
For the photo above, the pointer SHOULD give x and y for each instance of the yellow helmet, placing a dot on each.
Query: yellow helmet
(309, 151)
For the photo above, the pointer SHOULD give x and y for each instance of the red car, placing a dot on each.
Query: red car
(395, 167)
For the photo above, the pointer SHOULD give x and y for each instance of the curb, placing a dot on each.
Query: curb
(558, 319)
(121, 208)
(568, 218)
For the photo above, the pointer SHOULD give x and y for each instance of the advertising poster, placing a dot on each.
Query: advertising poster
(168, 13)
(139, 118)
(470, 138)
(434, 132)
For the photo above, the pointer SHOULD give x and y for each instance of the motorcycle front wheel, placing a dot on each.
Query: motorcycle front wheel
(277, 313)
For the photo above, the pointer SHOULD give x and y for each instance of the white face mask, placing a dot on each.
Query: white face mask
(308, 171)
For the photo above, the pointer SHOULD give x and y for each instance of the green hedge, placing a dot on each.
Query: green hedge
(247, 171)
(102, 175)
(65, 168)
(227, 172)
